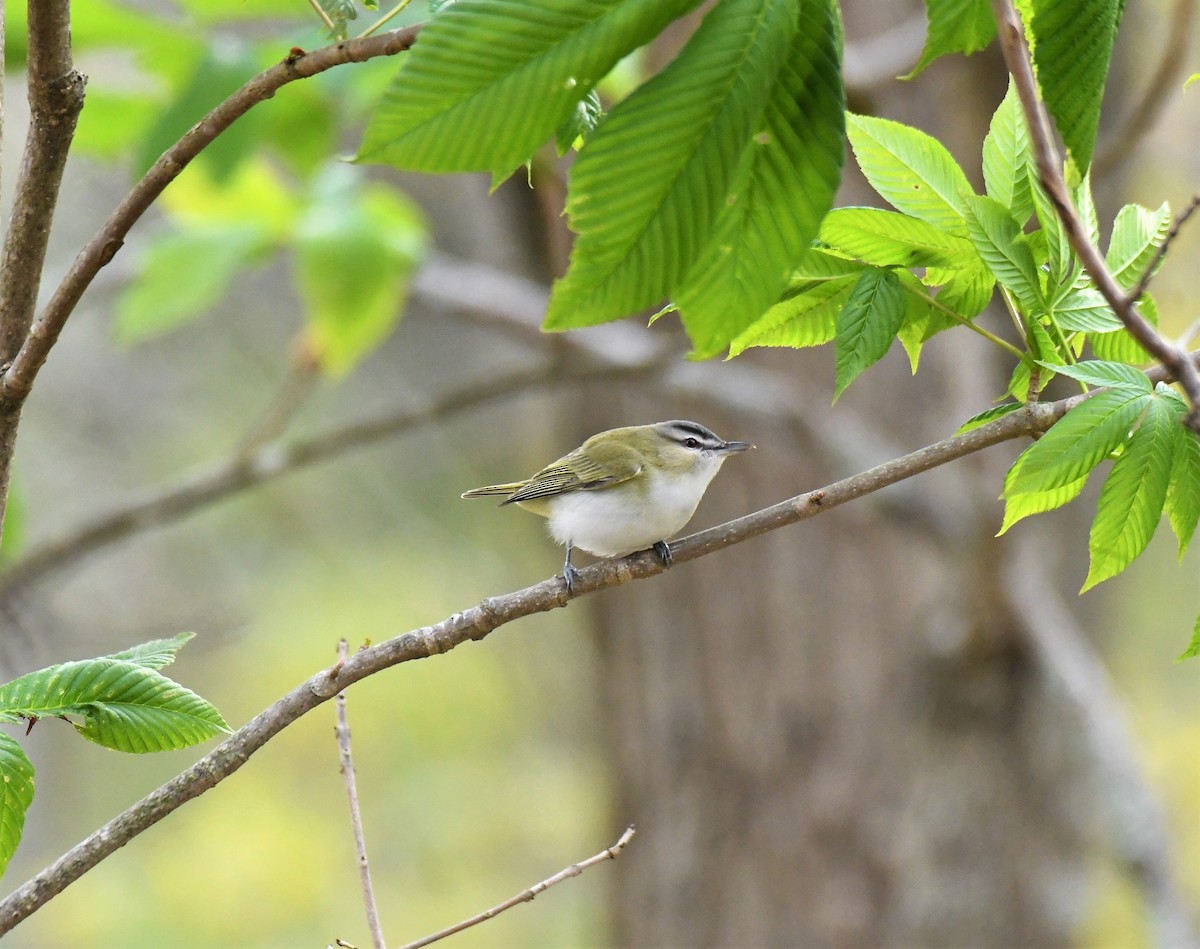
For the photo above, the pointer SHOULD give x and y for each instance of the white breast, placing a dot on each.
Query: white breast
(630, 516)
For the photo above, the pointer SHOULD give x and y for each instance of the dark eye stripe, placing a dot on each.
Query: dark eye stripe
(681, 431)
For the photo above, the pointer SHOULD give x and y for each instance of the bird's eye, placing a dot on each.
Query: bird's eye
(691, 443)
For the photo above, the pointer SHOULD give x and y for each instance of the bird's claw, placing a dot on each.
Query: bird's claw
(663, 549)
(571, 577)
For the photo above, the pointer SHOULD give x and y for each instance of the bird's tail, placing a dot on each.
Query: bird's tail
(494, 490)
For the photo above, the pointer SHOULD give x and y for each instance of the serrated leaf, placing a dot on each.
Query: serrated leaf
(153, 654)
(647, 191)
(1183, 494)
(1136, 235)
(1193, 648)
(489, 81)
(988, 415)
(1020, 506)
(866, 325)
(1134, 493)
(1115, 375)
(890, 239)
(801, 319)
(1072, 46)
(1085, 310)
(1002, 247)
(1006, 156)
(1058, 248)
(1077, 442)
(121, 705)
(785, 182)
(955, 26)
(967, 290)
(913, 171)
(580, 123)
(16, 794)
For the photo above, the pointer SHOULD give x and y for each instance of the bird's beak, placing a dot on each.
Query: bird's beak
(730, 447)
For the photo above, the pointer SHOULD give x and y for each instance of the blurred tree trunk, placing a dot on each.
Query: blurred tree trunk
(832, 735)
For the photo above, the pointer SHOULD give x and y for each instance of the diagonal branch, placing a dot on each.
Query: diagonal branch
(1049, 165)
(476, 623)
(108, 240)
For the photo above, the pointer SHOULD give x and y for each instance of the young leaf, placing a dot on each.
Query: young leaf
(1077, 442)
(1002, 246)
(922, 318)
(1020, 506)
(1134, 493)
(153, 654)
(647, 190)
(580, 123)
(16, 794)
(490, 80)
(955, 26)
(1183, 494)
(805, 318)
(1119, 345)
(786, 180)
(1193, 648)
(912, 170)
(1136, 235)
(1072, 45)
(987, 415)
(890, 239)
(1085, 310)
(867, 324)
(1114, 375)
(1006, 157)
(121, 705)
(966, 291)
(1058, 248)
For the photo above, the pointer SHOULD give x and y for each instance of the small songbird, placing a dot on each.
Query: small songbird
(622, 490)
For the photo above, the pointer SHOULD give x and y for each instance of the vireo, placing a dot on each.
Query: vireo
(622, 490)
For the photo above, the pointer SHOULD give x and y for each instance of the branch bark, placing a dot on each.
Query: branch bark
(476, 623)
(1049, 165)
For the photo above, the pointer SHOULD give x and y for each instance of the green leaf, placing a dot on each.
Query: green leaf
(890, 239)
(867, 324)
(1058, 248)
(153, 654)
(1003, 248)
(1072, 46)
(1006, 156)
(967, 290)
(1077, 442)
(806, 317)
(647, 191)
(121, 705)
(1115, 375)
(489, 81)
(1134, 493)
(580, 123)
(1183, 495)
(183, 275)
(356, 250)
(955, 26)
(1136, 235)
(1119, 345)
(988, 415)
(922, 319)
(1020, 506)
(785, 182)
(912, 170)
(1193, 648)
(16, 794)
(1085, 310)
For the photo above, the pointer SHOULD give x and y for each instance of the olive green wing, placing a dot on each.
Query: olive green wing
(589, 468)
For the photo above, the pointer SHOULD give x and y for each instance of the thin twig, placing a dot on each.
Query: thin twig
(525, 896)
(360, 840)
(478, 622)
(374, 27)
(1161, 251)
(320, 10)
(1049, 166)
(19, 377)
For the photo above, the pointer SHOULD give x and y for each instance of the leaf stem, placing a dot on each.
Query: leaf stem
(384, 19)
(969, 324)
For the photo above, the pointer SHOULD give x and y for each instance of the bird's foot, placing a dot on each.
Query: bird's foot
(663, 549)
(571, 577)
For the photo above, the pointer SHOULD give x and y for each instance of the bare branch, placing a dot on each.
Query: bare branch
(109, 239)
(1049, 165)
(609, 853)
(476, 623)
(55, 101)
(360, 841)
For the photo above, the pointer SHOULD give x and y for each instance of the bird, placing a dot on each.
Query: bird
(622, 490)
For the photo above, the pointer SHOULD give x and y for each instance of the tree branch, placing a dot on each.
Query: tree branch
(476, 623)
(1049, 165)
(19, 377)
(609, 853)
